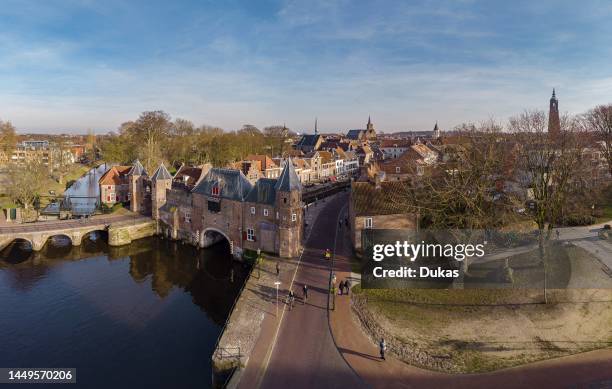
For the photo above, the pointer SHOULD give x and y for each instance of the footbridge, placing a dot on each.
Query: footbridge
(121, 230)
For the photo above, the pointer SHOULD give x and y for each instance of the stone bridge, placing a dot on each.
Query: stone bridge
(121, 230)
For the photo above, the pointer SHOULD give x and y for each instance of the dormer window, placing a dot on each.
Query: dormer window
(215, 190)
(397, 169)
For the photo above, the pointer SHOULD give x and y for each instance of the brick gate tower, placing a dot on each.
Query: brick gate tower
(289, 212)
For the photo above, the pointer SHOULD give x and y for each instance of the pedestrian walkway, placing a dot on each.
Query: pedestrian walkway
(296, 350)
(588, 370)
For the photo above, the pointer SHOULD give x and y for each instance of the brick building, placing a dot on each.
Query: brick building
(223, 204)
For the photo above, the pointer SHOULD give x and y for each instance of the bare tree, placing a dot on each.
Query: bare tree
(548, 166)
(8, 138)
(599, 120)
(148, 132)
(466, 193)
(25, 181)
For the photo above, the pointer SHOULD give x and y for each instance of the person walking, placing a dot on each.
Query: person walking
(341, 287)
(347, 285)
(305, 291)
(290, 298)
(277, 269)
(383, 347)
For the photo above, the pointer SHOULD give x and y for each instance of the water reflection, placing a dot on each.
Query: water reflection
(124, 316)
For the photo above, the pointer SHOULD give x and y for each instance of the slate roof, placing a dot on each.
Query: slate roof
(355, 134)
(137, 169)
(233, 185)
(161, 174)
(308, 140)
(288, 179)
(263, 192)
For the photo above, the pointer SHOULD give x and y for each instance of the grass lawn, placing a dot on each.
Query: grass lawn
(607, 214)
(478, 330)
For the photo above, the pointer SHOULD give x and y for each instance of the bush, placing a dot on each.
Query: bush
(579, 220)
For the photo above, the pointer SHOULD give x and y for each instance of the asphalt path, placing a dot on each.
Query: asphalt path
(304, 354)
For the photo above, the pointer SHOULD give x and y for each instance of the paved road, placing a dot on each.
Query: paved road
(304, 355)
(72, 223)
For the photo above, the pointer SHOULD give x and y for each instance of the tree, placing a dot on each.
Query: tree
(148, 132)
(25, 181)
(599, 120)
(276, 137)
(8, 138)
(466, 194)
(548, 166)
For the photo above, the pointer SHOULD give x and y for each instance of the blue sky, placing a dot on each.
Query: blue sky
(77, 64)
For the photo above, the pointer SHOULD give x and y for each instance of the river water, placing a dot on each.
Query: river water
(143, 315)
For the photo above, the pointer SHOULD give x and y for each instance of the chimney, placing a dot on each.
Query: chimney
(378, 178)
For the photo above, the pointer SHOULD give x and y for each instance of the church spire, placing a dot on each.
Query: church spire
(554, 124)
(370, 126)
(316, 127)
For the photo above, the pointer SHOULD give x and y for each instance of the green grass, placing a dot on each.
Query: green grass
(607, 214)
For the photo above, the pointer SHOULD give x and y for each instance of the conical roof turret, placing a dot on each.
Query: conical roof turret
(288, 180)
(161, 174)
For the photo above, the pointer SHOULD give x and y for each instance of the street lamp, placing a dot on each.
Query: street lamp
(277, 283)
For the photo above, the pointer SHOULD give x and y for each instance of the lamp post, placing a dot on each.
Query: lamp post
(277, 283)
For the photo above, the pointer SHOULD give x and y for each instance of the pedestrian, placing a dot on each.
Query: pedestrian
(347, 285)
(277, 269)
(383, 347)
(341, 287)
(557, 234)
(305, 290)
(291, 298)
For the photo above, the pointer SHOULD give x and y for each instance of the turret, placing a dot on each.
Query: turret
(161, 181)
(289, 211)
(136, 191)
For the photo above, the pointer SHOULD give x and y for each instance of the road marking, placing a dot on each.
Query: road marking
(280, 322)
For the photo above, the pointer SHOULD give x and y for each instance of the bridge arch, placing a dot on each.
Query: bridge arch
(95, 234)
(212, 235)
(56, 238)
(18, 239)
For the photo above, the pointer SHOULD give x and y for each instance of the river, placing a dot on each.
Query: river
(143, 315)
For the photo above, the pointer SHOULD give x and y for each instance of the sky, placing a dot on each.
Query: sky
(66, 66)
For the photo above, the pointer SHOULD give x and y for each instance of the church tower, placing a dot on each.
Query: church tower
(370, 132)
(289, 212)
(161, 181)
(370, 125)
(436, 131)
(554, 124)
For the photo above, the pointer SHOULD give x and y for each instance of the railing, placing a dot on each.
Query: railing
(322, 192)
